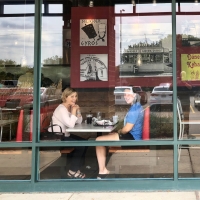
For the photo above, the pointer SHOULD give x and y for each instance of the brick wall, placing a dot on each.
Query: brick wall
(96, 100)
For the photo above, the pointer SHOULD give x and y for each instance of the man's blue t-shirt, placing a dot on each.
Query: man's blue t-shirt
(135, 116)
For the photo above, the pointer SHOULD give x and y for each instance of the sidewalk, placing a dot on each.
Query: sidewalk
(194, 195)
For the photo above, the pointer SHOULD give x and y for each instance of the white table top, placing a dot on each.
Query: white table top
(90, 128)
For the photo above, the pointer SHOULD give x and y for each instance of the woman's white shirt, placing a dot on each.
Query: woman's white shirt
(64, 119)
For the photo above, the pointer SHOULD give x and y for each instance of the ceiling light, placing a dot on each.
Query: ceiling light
(91, 4)
(154, 2)
(133, 2)
(196, 2)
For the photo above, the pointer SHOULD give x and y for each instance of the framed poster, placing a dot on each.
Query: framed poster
(190, 64)
(93, 32)
(93, 67)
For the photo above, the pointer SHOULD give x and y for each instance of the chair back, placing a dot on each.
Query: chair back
(145, 131)
(180, 111)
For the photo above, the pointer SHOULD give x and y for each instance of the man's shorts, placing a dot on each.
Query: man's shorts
(127, 136)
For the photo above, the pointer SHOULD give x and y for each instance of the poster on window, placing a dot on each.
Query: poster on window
(190, 67)
(93, 67)
(93, 32)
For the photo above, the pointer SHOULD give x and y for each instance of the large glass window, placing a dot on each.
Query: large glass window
(188, 34)
(16, 72)
(106, 76)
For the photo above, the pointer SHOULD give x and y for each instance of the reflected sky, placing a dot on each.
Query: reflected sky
(17, 38)
(144, 29)
(17, 34)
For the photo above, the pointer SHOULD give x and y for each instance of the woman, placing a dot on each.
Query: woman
(132, 129)
(66, 115)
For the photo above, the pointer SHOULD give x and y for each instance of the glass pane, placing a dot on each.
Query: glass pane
(15, 163)
(125, 162)
(153, 7)
(143, 61)
(143, 57)
(55, 69)
(188, 79)
(190, 7)
(20, 9)
(188, 165)
(17, 9)
(16, 73)
(55, 8)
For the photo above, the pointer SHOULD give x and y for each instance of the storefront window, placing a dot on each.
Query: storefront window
(105, 75)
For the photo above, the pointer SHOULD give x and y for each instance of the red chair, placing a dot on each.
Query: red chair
(145, 133)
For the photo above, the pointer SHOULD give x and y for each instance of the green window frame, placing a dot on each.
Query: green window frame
(116, 184)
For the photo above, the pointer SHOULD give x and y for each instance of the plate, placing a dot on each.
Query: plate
(104, 123)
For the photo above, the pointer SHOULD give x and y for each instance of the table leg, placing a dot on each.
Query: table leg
(10, 131)
(1, 133)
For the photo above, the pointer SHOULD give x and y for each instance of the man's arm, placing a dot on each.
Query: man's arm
(126, 128)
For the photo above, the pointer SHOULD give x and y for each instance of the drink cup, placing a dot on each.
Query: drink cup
(98, 115)
(89, 118)
(115, 119)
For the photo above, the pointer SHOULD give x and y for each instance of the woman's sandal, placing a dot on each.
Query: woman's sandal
(102, 176)
(76, 175)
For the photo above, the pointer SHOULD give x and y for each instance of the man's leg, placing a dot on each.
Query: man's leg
(101, 152)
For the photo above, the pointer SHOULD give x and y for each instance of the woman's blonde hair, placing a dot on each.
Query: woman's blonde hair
(67, 92)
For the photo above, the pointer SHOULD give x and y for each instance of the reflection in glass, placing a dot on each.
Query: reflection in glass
(154, 7)
(188, 165)
(124, 162)
(188, 74)
(55, 8)
(190, 7)
(15, 164)
(17, 9)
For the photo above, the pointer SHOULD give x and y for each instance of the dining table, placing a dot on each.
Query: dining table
(89, 128)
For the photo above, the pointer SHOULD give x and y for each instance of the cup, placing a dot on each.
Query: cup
(98, 115)
(115, 119)
(89, 118)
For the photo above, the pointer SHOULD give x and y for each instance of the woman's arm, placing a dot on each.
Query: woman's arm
(79, 116)
(65, 117)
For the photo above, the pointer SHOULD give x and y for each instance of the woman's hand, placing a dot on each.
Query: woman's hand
(74, 109)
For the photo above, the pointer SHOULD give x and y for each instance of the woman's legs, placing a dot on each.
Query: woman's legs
(78, 154)
(101, 152)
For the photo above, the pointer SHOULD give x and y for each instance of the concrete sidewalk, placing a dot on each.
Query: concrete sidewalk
(194, 195)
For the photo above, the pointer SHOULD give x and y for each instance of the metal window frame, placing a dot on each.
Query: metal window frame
(128, 184)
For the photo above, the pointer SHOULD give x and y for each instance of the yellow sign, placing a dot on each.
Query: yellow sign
(190, 67)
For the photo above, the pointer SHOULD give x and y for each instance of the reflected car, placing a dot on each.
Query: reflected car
(161, 94)
(24, 96)
(9, 83)
(197, 100)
